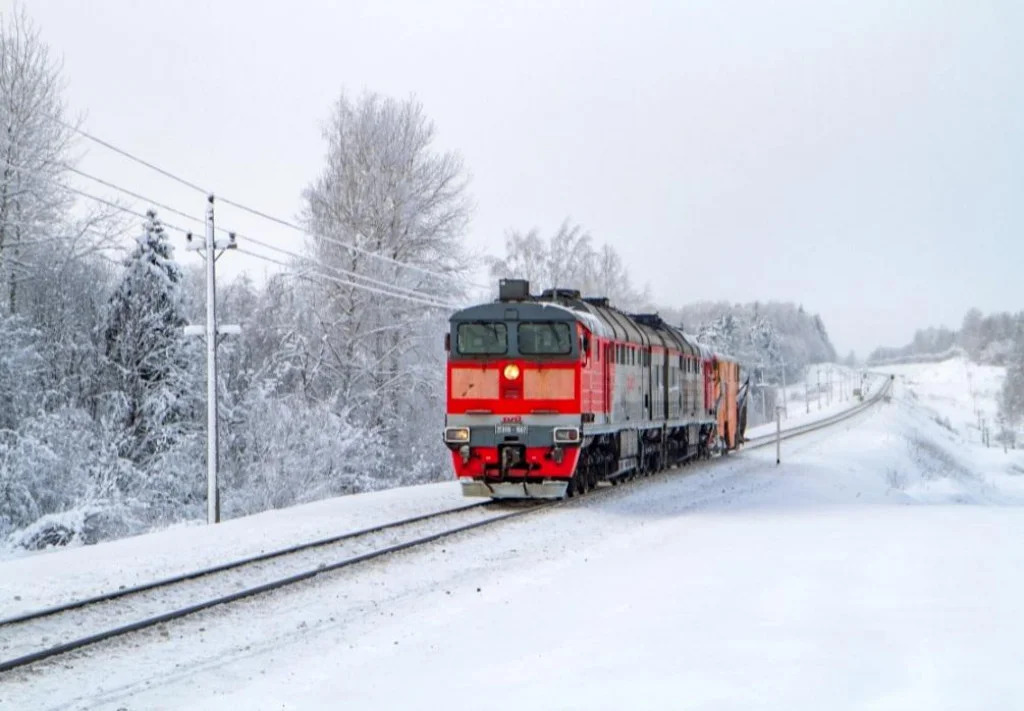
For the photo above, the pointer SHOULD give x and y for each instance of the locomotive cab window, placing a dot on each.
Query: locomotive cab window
(482, 338)
(551, 338)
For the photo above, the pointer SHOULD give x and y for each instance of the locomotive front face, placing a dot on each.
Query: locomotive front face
(513, 416)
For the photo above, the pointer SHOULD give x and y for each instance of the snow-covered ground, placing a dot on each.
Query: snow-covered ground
(880, 566)
(804, 403)
(962, 394)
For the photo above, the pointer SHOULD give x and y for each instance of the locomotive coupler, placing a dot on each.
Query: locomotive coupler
(510, 456)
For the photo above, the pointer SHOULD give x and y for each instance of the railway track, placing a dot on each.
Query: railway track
(34, 636)
(873, 399)
(38, 635)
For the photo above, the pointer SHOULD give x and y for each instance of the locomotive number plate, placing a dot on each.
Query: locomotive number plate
(510, 428)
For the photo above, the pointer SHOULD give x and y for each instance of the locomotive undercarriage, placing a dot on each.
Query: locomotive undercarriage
(613, 457)
(657, 449)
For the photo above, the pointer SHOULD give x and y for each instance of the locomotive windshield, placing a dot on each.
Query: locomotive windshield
(484, 338)
(548, 338)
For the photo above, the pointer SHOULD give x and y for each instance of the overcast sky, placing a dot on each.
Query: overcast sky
(865, 159)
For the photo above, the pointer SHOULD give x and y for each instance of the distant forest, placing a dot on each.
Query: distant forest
(997, 339)
(772, 334)
(984, 339)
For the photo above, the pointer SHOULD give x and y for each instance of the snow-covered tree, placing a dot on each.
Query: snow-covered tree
(753, 342)
(526, 257)
(152, 378)
(986, 339)
(21, 372)
(1011, 398)
(611, 278)
(34, 151)
(568, 260)
(767, 332)
(386, 198)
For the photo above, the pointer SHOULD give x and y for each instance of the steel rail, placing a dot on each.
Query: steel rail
(73, 645)
(230, 565)
(769, 439)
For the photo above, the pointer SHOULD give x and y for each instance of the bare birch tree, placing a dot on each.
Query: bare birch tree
(385, 198)
(34, 150)
(568, 259)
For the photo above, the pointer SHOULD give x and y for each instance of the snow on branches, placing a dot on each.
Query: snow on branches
(149, 359)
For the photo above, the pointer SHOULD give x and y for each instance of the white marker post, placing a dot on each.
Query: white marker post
(778, 435)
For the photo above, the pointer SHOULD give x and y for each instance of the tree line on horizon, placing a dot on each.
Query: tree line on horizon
(996, 339)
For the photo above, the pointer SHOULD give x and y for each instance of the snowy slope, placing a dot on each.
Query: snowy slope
(879, 566)
(957, 391)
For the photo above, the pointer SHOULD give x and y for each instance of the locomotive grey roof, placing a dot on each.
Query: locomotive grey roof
(532, 311)
(516, 304)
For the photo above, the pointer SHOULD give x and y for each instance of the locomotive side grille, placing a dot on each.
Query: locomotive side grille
(474, 383)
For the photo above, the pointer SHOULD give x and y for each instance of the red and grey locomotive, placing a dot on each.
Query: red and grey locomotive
(548, 395)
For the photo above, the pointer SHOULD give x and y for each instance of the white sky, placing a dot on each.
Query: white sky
(865, 159)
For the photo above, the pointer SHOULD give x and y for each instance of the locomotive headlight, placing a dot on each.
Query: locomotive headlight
(455, 435)
(511, 371)
(569, 435)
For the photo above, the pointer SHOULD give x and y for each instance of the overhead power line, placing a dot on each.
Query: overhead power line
(126, 154)
(259, 213)
(346, 245)
(135, 195)
(52, 180)
(345, 272)
(124, 209)
(345, 282)
(423, 297)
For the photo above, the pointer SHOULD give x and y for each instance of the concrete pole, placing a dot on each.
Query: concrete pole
(212, 492)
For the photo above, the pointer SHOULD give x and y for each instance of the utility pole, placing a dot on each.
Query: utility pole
(208, 251)
(785, 397)
(819, 388)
